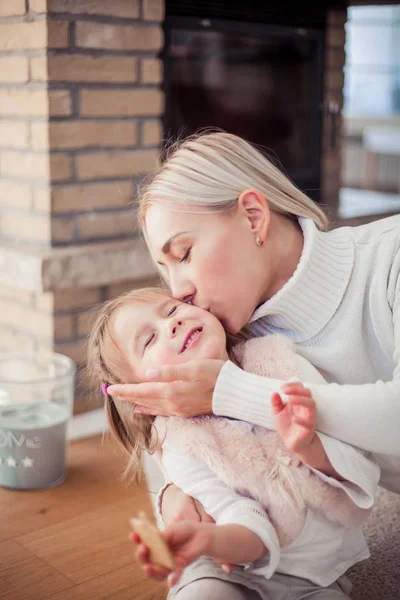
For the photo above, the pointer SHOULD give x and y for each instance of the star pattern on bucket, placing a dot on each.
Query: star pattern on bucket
(10, 461)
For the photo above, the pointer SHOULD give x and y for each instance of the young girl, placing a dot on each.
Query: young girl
(284, 525)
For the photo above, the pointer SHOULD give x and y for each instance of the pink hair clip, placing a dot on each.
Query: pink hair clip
(104, 387)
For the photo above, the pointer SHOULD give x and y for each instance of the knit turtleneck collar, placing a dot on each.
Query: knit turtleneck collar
(305, 304)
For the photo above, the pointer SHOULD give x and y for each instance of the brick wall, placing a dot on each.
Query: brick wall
(80, 108)
(333, 104)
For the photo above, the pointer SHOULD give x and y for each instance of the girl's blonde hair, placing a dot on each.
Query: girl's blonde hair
(210, 170)
(105, 365)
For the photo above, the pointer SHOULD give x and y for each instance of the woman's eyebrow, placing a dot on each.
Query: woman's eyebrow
(167, 246)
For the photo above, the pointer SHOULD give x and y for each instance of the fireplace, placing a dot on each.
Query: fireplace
(82, 117)
(260, 81)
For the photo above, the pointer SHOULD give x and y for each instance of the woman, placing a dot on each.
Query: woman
(233, 235)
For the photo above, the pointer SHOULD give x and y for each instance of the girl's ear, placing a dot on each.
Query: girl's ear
(254, 207)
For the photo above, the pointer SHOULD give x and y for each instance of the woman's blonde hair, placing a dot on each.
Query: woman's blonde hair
(210, 170)
(105, 365)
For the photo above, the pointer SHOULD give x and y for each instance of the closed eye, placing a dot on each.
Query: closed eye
(185, 256)
(149, 340)
(172, 310)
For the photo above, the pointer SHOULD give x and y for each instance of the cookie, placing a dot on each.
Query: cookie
(160, 555)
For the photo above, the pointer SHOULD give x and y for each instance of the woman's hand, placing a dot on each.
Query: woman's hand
(295, 420)
(175, 390)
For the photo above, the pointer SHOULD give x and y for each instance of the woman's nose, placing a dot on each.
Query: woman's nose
(182, 290)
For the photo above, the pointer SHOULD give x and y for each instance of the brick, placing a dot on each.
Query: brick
(118, 37)
(337, 17)
(39, 135)
(92, 134)
(26, 227)
(58, 34)
(336, 37)
(335, 58)
(23, 36)
(84, 322)
(13, 134)
(153, 10)
(101, 225)
(122, 103)
(115, 290)
(63, 327)
(76, 299)
(39, 6)
(62, 230)
(41, 202)
(107, 69)
(151, 70)
(35, 166)
(152, 133)
(38, 68)
(15, 194)
(12, 8)
(14, 69)
(60, 167)
(29, 103)
(102, 165)
(15, 341)
(128, 9)
(45, 301)
(76, 351)
(60, 103)
(24, 164)
(334, 79)
(91, 196)
(17, 295)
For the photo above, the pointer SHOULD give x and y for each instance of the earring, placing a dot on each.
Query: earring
(259, 242)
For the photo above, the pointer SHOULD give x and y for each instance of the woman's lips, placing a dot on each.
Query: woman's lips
(187, 345)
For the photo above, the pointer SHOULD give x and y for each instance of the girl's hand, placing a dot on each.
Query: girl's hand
(174, 390)
(177, 506)
(295, 420)
(187, 541)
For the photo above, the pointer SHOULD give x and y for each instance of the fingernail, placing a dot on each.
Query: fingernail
(152, 373)
(225, 568)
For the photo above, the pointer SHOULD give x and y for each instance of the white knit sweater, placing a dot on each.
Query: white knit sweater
(342, 309)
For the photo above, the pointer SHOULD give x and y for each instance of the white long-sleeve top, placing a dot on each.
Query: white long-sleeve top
(342, 309)
(323, 551)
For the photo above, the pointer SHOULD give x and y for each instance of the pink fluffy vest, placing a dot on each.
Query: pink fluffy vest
(254, 461)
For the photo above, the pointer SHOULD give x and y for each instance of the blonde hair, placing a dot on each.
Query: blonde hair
(210, 170)
(133, 432)
(106, 365)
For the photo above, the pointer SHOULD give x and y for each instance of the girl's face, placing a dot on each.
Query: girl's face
(165, 332)
(210, 260)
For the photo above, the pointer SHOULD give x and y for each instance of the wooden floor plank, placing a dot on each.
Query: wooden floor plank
(71, 541)
(93, 481)
(119, 583)
(88, 545)
(24, 576)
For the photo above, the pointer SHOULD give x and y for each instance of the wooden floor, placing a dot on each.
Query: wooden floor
(71, 542)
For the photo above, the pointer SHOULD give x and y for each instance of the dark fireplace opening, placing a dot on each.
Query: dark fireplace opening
(258, 80)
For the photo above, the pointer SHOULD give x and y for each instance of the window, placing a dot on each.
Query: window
(372, 72)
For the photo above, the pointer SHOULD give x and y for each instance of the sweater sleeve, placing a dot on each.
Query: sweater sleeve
(366, 416)
(224, 505)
